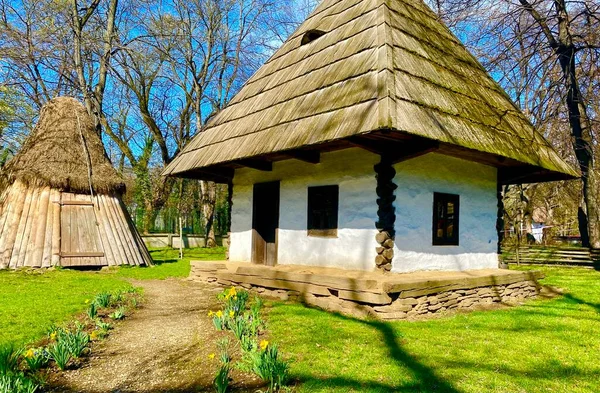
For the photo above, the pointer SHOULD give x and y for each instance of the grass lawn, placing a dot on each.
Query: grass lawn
(32, 302)
(167, 264)
(542, 346)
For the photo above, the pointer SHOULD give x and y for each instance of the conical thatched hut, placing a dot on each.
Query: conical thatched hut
(61, 202)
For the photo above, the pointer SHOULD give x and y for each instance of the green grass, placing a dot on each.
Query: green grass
(542, 346)
(167, 264)
(31, 301)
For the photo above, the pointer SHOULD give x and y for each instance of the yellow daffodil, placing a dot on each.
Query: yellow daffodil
(219, 314)
(231, 314)
(232, 292)
(264, 344)
(211, 356)
(94, 335)
(53, 336)
(30, 353)
(210, 313)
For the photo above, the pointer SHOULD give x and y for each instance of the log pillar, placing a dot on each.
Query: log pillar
(229, 207)
(500, 224)
(386, 213)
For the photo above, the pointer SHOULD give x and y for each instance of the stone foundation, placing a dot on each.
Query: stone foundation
(400, 297)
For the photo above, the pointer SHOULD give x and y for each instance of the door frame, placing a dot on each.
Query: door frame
(264, 252)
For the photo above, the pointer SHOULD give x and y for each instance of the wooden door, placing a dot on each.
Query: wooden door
(80, 243)
(265, 222)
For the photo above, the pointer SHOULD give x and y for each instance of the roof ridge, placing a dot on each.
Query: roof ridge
(386, 85)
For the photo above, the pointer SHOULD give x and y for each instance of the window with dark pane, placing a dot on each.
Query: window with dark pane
(445, 219)
(323, 211)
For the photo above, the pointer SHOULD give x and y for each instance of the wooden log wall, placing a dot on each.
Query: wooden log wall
(44, 227)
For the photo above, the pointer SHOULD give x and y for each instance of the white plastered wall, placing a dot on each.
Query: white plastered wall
(354, 247)
(417, 180)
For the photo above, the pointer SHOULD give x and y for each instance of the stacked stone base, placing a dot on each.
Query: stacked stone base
(460, 299)
(417, 303)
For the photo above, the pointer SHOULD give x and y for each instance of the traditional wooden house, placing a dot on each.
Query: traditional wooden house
(371, 139)
(61, 204)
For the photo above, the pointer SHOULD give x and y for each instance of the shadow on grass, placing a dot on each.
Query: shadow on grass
(427, 380)
(577, 300)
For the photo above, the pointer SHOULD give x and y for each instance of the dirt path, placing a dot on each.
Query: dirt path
(162, 347)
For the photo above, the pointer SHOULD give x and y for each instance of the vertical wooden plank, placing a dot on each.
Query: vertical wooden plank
(56, 229)
(120, 256)
(47, 248)
(16, 259)
(93, 233)
(10, 204)
(107, 238)
(137, 258)
(9, 236)
(84, 238)
(5, 207)
(119, 231)
(66, 231)
(28, 245)
(39, 230)
(144, 257)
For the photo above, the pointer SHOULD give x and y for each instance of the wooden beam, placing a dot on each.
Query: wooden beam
(395, 151)
(413, 151)
(218, 175)
(368, 144)
(312, 157)
(260, 165)
(516, 175)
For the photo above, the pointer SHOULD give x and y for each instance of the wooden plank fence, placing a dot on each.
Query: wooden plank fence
(551, 255)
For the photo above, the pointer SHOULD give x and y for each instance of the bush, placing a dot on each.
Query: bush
(269, 367)
(76, 342)
(92, 311)
(234, 301)
(118, 314)
(9, 358)
(221, 381)
(104, 326)
(17, 383)
(59, 352)
(103, 299)
(36, 358)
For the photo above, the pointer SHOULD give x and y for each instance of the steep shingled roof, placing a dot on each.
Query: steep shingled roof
(380, 65)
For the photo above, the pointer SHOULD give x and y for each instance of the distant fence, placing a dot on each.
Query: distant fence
(157, 240)
(551, 255)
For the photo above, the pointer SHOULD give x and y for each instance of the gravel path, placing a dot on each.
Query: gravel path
(162, 347)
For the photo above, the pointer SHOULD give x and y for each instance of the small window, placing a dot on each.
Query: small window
(445, 219)
(310, 36)
(323, 211)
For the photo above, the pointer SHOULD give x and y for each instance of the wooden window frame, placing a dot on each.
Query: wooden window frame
(439, 197)
(330, 229)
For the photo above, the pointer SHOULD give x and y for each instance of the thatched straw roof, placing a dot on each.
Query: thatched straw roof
(380, 65)
(53, 154)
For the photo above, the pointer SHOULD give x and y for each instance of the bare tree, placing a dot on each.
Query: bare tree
(546, 52)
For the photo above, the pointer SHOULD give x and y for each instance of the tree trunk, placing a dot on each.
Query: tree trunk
(208, 197)
(582, 144)
(580, 125)
(150, 215)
